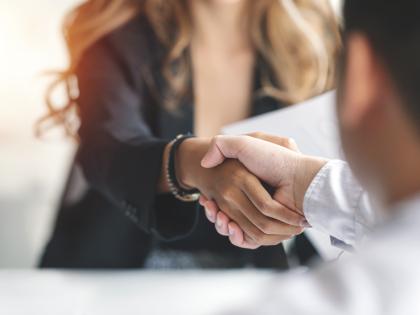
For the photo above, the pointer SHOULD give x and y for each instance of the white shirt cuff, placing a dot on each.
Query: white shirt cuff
(332, 200)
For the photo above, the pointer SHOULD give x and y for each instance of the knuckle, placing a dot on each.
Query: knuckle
(249, 182)
(265, 207)
(256, 134)
(216, 139)
(239, 171)
(265, 226)
(286, 142)
(223, 189)
(239, 177)
(236, 177)
(229, 194)
(259, 238)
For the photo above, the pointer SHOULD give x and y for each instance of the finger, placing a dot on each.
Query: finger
(202, 200)
(282, 141)
(265, 224)
(249, 243)
(211, 209)
(238, 239)
(237, 216)
(222, 222)
(222, 147)
(262, 217)
(214, 156)
(269, 207)
(236, 235)
(210, 215)
(262, 230)
(226, 227)
(269, 240)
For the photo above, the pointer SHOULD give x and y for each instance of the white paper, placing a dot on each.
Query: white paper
(313, 125)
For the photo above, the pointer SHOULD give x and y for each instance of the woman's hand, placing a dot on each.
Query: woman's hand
(225, 226)
(239, 194)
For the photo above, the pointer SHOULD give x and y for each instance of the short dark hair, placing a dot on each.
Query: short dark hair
(393, 29)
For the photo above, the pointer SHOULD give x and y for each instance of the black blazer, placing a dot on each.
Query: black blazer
(111, 215)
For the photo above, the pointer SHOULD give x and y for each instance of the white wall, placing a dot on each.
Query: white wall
(31, 171)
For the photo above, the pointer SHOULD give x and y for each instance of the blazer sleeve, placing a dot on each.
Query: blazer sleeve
(120, 156)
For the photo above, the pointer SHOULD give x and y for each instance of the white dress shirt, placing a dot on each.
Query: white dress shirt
(382, 278)
(336, 204)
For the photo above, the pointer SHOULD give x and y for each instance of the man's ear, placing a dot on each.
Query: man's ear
(364, 83)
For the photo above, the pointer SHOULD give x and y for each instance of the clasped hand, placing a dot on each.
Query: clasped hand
(263, 219)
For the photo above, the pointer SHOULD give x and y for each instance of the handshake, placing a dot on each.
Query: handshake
(234, 173)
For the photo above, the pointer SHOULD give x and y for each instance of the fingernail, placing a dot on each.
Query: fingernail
(231, 231)
(219, 224)
(204, 161)
(304, 223)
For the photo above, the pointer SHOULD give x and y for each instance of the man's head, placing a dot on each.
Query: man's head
(379, 99)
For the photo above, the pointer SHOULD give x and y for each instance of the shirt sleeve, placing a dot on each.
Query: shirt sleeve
(336, 204)
(120, 155)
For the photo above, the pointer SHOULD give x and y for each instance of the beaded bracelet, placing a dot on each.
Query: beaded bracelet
(186, 195)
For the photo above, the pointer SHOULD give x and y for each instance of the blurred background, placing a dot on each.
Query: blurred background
(32, 171)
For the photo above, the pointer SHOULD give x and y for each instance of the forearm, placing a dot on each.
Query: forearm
(126, 174)
(187, 163)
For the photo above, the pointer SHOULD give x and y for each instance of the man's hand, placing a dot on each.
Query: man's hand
(238, 193)
(289, 172)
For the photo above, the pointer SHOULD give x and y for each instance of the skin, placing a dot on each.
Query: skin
(288, 171)
(372, 120)
(223, 64)
(241, 196)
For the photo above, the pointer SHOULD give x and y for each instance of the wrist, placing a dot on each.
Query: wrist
(308, 168)
(188, 159)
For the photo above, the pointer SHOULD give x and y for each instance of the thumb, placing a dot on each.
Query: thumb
(213, 157)
(222, 147)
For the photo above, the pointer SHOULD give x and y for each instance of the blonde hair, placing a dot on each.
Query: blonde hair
(298, 41)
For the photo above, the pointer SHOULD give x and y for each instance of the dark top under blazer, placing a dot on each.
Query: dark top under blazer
(123, 133)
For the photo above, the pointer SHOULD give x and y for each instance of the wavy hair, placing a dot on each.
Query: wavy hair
(298, 41)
